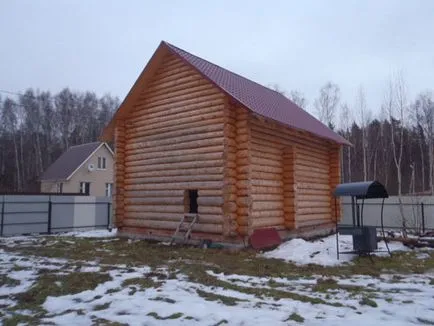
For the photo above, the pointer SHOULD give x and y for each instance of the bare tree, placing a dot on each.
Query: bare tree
(10, 125)
(327, 103)
(276, 88)
(365, 117)
(298, 98)
(396, 106)
(346, 120)
(424, 115)
(65, 103)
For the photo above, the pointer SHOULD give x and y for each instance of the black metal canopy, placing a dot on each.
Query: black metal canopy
(361, 190)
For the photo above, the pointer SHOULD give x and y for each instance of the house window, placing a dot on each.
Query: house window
(190, 201)
(85, 188)
(101, 163)
(108, 189)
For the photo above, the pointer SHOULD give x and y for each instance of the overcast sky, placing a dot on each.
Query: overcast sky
(103, 45)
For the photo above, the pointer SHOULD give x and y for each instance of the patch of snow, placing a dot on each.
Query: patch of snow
(90, 234)
(91, 269)
(323, 251)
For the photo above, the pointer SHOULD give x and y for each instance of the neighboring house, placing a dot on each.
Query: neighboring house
(86, 168)
(192, 137)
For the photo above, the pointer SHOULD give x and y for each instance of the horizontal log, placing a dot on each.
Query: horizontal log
(284, 133)
(203, 219)
(258, 154)
(243, 170)
(267, 183)
(306, 204)
(322, 171)
(313, 210)
(306, 217)
(175, 166)
(267, 169)
(268, 222)
(264, 146)
(266, 190)
(176, 134)
(177, 172)
(267, 205)
(154, 193)
(201, 143)
(210, 210)
(311, 175)
(266, 162)
(174, 105)
(266, 197)
(175, 141)
(196, 93)
(316, 223)
(210, 192)
(154, 201)
(191, 84)
(165, 208)
(313, 192)
(170, 179)
(177, 186)
(282, 141)
(175, 159)
(169, 225)
(312, 199)
(210, 201)
(148, 127)
(178, 108)
(191, 125)
(312, 185)
(267, 214)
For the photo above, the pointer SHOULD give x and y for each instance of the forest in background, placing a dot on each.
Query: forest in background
(37, 127)
(393, 144)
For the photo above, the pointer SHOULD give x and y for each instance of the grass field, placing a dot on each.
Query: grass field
(108, 281)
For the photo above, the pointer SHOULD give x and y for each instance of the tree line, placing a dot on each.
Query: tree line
(393, 143)
(37, 127)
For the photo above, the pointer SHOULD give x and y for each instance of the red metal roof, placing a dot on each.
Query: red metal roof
(258, 98)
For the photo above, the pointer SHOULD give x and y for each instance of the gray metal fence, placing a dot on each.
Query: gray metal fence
(418, 212)
(46, 214)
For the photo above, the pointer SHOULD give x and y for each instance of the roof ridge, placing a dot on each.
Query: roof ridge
(94, 142)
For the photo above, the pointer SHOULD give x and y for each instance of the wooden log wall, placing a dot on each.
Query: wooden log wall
(267, 180)
(237, 178)
(174, 141)
(289, 194)
(335, 179)
(273, 148)
(119, 170)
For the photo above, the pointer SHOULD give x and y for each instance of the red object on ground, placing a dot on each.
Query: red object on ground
(265, 239)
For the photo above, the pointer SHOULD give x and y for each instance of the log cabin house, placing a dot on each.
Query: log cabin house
(193, 137)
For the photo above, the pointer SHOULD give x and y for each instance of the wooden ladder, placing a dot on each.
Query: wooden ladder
(184, 229)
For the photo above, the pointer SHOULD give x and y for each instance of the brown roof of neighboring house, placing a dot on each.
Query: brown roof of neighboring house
(259, 99)
(70, 161)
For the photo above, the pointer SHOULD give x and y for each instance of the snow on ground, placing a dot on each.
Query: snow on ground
(91, 234)
(323, 251)
(390, 299)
